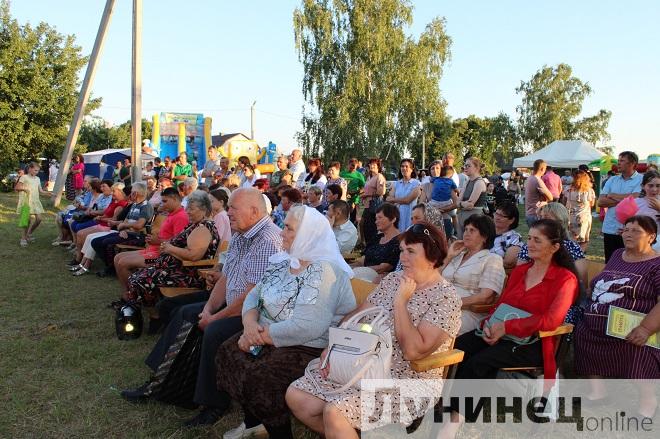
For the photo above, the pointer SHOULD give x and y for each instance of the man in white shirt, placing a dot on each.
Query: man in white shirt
(296, 164)
(344, 230)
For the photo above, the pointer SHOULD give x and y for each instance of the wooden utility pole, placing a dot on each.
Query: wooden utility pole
(136, 93)
(83, 97)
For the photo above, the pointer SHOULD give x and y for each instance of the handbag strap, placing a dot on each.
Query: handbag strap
(314, 364)
(356, 318)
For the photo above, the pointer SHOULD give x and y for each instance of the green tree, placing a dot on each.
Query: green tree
(38, 89)
(551, 104)
(493, 139)
(367, 84)
(96, 134)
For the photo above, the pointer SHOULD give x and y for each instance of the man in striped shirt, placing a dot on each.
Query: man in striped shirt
(255, 239)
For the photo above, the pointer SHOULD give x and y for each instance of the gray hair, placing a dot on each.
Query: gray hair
(317, 190)
(119, 185)
(201, 200)
(191, 182)
(140, 188)
(560, 212)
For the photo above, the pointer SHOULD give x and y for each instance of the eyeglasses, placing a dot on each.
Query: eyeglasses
(420, 228)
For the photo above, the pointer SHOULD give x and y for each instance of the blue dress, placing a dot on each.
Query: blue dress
(401, 190)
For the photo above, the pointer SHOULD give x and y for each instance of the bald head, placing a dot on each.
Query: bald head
(246, 208)
(296, 155)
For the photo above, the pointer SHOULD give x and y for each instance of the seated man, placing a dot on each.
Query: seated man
(176, 221)
(344, 230)
(254, 241)
(130, 231)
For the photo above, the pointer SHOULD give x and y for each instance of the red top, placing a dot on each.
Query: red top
(109, 211)
(548, 302)
(172, 226)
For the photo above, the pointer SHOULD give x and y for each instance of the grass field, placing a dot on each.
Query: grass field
(62, 366)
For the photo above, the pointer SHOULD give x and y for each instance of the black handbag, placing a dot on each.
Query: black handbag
(175, 379)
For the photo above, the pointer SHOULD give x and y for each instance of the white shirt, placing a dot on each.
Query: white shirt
(297, 168)
(346, 236)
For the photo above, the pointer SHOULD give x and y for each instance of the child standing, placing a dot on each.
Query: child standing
(445, 196)
(29, 189)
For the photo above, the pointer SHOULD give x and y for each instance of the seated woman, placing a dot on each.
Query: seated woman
(199, 240)
(545, 287)
(476, 273)
(506, 219)
(305, 290)
(557, 212)
(424, 314)
(629, 280)
(176, 221)
(64, 217)
(104, 224)
(101, 197)
(381, 254)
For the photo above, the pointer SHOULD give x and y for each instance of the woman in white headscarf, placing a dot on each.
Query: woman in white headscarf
(286, 317)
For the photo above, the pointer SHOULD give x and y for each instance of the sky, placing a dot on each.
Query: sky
(218, 56)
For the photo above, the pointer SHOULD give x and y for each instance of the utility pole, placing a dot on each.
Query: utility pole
(252, 120)
(136, 94)
(83, 97)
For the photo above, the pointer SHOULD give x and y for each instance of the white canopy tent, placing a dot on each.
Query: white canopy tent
(562, 154)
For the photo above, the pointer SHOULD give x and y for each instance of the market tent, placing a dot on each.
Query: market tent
(561, 154)
(109, 157)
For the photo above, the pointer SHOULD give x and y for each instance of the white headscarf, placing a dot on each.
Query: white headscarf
(314, 241)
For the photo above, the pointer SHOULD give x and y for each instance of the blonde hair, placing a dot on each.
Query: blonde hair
(233, 181)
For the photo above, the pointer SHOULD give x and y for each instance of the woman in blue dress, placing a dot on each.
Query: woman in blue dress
(405, 193)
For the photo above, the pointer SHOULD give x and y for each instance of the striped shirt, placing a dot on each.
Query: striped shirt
(247, 257)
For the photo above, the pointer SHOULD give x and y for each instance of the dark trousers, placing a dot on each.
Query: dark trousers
(168, 306)
(482, 361)
(206, 391)
(105, 246)
(610, 244)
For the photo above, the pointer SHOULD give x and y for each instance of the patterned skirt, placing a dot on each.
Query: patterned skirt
(260, 383)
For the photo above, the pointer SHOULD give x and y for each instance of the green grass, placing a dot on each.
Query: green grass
(62, 366)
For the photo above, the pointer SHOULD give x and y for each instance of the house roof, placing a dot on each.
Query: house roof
(221, 139)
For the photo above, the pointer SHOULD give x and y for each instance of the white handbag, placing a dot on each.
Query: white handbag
(357, 350)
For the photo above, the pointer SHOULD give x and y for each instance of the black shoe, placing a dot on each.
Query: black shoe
(105, 273)
(136, 395)
(117, 304)
(154, 326)
(73, 263)
(208, 416)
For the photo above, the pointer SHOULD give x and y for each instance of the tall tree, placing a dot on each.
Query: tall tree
(367, 84)
(96, 134)
(493, 139)
(551, 103)
(38, 88)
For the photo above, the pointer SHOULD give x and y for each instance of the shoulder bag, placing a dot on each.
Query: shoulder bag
(357, 350)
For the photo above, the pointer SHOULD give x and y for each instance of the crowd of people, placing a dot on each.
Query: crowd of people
(436, 248)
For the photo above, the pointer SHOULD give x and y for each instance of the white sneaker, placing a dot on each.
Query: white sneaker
(241, 432)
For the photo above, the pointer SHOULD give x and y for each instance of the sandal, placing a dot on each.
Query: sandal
(82, 270)
(23, 243)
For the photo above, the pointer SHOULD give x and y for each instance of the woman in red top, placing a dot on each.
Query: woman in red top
(545, 287)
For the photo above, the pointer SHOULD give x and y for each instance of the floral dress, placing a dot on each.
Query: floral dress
(168, 271)
(579, 210)
(438, 305)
